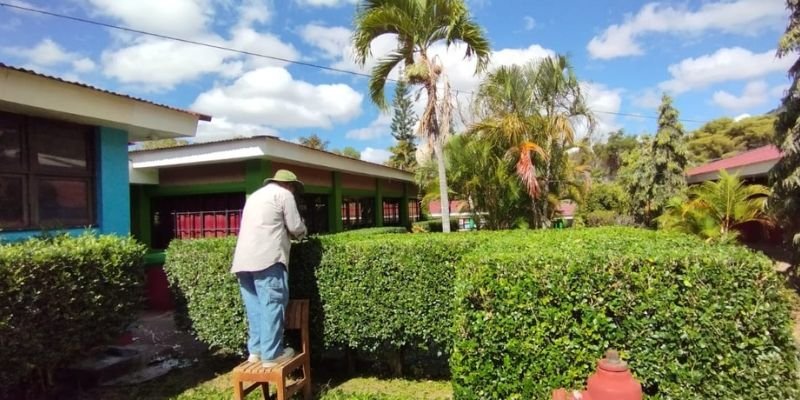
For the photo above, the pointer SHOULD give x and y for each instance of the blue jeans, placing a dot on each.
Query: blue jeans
(265, 294)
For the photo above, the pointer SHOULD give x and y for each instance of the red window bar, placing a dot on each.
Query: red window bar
(192, 225)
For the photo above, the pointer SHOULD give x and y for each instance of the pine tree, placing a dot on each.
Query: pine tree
(657, 172)
(785, 176)
(669, 156)
(404, 152)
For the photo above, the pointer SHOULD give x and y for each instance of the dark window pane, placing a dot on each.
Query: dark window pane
(58, 146)
(10, 143)
(63, 201)
(12, 212)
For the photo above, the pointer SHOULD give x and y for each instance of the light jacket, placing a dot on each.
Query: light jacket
(269, 217)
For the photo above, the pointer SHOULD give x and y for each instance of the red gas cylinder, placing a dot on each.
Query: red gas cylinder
(612, 381)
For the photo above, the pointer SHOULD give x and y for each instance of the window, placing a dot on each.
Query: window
(46, 173)
(314, 210)
(358, 212)
(196, 216)
(391, 212)
(414, 210)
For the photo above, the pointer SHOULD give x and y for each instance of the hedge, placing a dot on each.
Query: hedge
(375, 231)
(434, 225)
(532, 311)
(59, 296)
(371, 293)
(692, 320)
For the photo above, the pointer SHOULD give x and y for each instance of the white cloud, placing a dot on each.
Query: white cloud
(221, 128)
(379, 127)
(161, 64)
(726, 64)
(378, 156)
(530, 23)
(779, 91)
(183, 18)
(83, 65)
(46, 53)
(753, 95)
(741, 117)
(254, 11)
(737, 17)
(270, 96)
(647, 99)
(49, 57)
(603, 101)
(332, 40)
(325, 3)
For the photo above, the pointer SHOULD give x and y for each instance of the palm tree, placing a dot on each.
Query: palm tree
(714, 210)
(418, 25)
(529, 110)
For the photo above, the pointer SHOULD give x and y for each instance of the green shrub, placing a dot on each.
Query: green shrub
(600, 218)
(434, 225)
(376, 294)
(605, 196)
(61, 295)
(693, 320)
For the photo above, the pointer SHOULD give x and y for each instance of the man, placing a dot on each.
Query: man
(260, 263)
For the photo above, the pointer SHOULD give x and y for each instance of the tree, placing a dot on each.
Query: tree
(404, 152)
(657, 175)
(348, 152)
(609, 154)
(785, 176)
(724, 137)
(314, 141)
(418, 25)
(528, 111)
(163, 143)
(713, 210)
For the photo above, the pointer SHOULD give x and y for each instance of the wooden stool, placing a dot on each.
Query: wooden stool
(296, 319)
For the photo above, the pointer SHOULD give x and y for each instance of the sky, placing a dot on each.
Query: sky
(716, 58)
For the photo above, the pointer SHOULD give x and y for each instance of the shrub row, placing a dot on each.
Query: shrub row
(693, 320)
(61, 295)
(375, 231)
(533, 311)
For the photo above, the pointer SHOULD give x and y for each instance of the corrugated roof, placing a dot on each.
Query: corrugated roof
(268, 137)
(754, 156)
(202, 117)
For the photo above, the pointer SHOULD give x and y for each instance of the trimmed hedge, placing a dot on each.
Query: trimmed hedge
(692, 320)
(59, 296)
(533, 311)
(370, 293)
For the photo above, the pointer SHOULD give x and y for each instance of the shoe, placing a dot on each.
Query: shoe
(286, 355)
(254, 358)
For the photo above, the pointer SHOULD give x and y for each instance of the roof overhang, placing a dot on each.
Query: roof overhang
(38, 95)
(746, 171)
(257, 148)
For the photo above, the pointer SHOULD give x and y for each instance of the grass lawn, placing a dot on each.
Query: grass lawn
(209, 379)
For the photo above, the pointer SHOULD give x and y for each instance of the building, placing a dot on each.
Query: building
(753, 166)
(64, 152)
(198, 190)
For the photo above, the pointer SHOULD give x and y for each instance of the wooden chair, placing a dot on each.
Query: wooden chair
(296, 319)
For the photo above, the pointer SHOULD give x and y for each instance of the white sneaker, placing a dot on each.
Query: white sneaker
(286, 355)
(254, 358)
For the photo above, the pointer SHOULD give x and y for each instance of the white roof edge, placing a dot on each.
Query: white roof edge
(261, 147)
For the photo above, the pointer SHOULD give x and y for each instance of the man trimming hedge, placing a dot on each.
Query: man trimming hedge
(269, 217)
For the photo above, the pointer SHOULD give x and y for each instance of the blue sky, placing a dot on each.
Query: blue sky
(715, 57)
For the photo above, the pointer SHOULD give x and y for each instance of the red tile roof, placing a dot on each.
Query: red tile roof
(456, 206)
(755, 156)
(202, 117)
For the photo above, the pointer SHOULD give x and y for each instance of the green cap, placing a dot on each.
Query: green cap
(284, 175)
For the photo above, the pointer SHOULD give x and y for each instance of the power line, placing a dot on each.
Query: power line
(250, 53)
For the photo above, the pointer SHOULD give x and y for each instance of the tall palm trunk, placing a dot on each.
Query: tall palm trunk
(444, 198)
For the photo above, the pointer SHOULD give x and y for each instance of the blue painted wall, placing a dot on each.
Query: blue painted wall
(112, 205)
(113, 191)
